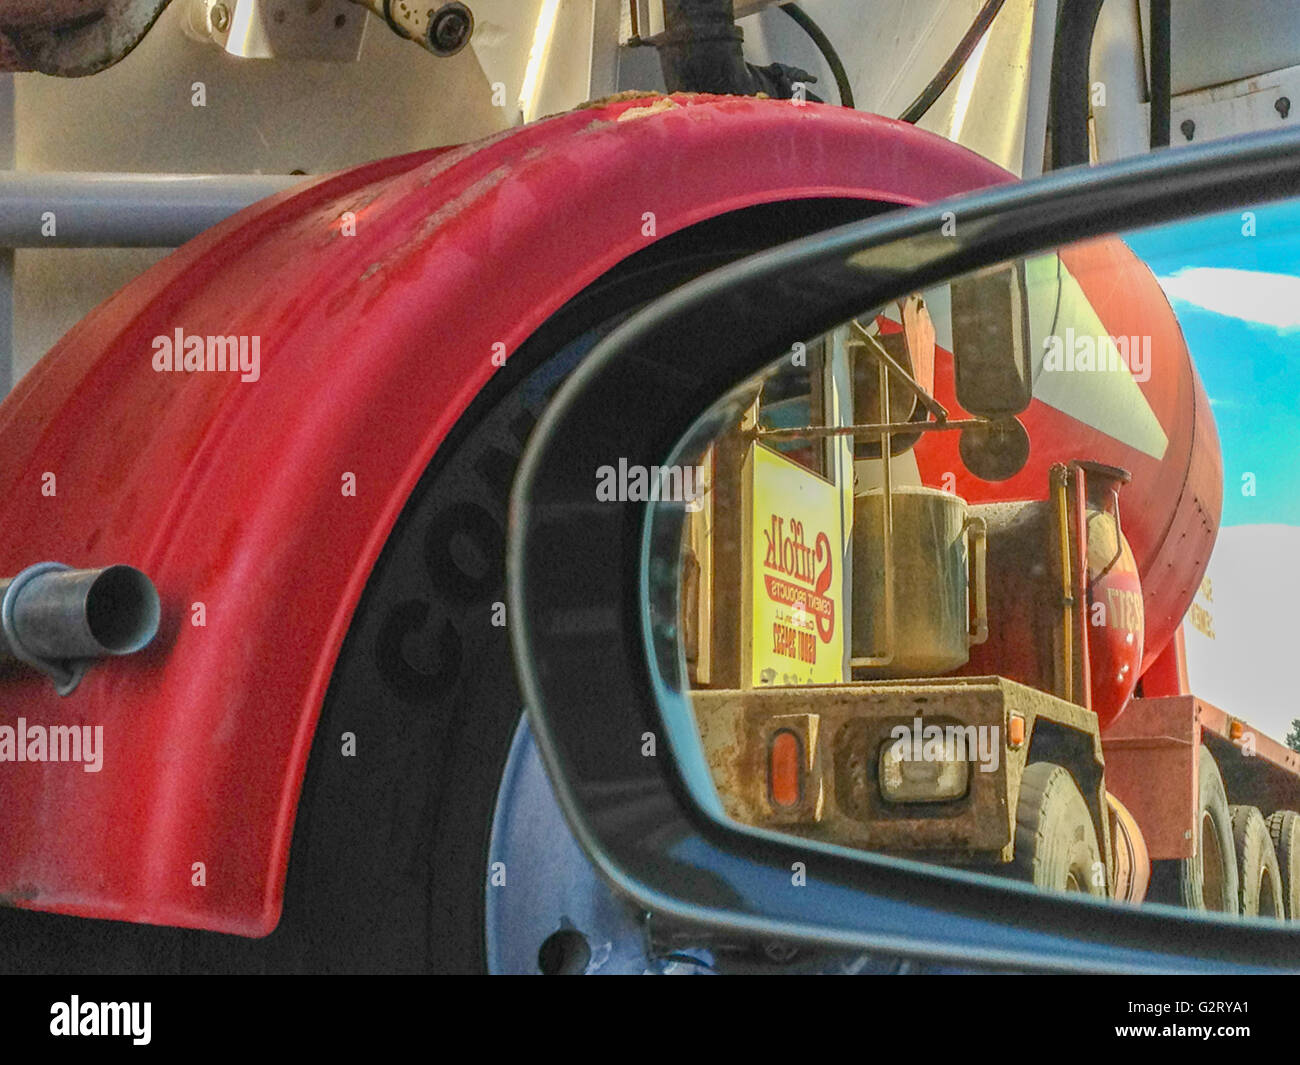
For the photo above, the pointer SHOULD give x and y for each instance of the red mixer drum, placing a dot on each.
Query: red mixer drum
(1113, 383)
(1115, 614)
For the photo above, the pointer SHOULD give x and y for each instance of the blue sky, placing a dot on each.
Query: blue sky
(1237, 298)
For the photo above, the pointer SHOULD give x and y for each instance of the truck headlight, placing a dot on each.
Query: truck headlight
(905, 779)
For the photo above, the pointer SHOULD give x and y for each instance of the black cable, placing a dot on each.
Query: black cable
(1067, 110)
(823, 43)
(1160, 81)
(954, 63)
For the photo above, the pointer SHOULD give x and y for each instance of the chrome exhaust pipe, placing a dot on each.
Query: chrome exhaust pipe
(57, 620)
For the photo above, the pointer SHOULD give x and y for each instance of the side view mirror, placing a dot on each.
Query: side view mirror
(733, 681)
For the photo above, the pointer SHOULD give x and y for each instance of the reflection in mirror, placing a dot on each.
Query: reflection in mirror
(983, 614)
(989, 327)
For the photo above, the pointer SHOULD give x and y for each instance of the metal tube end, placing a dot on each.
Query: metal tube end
(122, 610)
(57, 620)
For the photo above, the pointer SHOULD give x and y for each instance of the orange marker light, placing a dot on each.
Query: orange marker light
(1016, 731)
(1235, 730)
(784, 769)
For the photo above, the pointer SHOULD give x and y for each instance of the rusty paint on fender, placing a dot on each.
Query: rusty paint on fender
(229, 493)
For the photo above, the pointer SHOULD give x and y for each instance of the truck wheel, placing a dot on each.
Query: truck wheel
(425, 852)
(1259, 880)
(1284, 829)
(391, 862)
(1056, 844)
(1208, 879)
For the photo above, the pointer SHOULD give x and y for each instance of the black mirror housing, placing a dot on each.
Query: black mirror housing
(600, 668)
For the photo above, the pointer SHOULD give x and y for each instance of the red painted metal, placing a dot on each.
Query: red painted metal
(1114, 631)
(1157, 740)
(1168, 674)
(1171, 508)
(1152, 757)
(229, 493)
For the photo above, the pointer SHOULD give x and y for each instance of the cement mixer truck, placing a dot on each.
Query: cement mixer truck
(971, 653)
(257, 684)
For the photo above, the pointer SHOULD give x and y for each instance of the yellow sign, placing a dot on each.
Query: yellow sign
(796, 633)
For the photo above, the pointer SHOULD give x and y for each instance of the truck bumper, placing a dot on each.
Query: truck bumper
(840, 732)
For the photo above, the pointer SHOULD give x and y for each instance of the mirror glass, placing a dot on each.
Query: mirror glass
(1027, 614)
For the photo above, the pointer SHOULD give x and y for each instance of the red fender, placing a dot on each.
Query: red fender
(229, 493)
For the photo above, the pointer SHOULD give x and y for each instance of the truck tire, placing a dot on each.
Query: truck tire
(1208, 879)
(389, 865)
(1284, 829)
(1056, 842)
(1259, 880)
